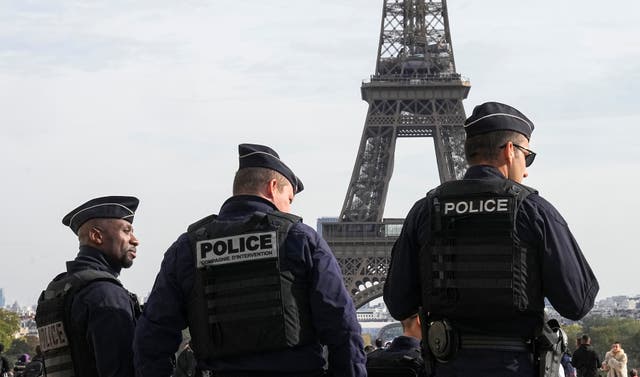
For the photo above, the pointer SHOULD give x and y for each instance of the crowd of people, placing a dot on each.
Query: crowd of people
(585, 361)
(24, 366)
(263, 295)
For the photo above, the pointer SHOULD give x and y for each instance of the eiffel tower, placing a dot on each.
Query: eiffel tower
(415, 92)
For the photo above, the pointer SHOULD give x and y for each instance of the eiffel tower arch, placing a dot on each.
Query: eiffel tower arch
(414, 92)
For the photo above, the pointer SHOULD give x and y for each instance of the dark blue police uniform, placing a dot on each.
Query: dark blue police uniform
(106, 313)
(404, 351)
(158, 333)
(565, 277)
(85, 317)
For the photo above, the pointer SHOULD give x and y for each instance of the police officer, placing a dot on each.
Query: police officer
(259, 290)
(85, 316)
(404, 351)
(479, 255)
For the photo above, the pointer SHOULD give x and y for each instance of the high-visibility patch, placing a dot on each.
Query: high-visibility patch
(235, 249)
(52, 336)
(473, 206)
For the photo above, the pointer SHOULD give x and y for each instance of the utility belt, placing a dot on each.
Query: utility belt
(442, 341)
(210, 373)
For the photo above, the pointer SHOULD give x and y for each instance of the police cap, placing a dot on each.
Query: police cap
(494, 116)
(261, 156)
(110, 207)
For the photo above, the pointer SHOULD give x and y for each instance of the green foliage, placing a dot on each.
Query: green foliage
(19, 346)
(573, 331)
(9, 325)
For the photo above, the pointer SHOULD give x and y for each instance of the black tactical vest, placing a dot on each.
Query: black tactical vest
(66, 353)
(473, 264)
(244, 299)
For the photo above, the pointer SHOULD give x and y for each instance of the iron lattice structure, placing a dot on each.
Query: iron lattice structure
(415, 92)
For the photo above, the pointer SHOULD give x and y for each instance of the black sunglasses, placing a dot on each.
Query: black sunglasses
(528, 158)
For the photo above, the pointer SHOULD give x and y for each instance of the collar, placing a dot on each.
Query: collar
(404, 342)
(241, 205)
(91, 258)
(483, 171)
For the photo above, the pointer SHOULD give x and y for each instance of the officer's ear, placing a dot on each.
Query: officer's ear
(508, 152)
(95, 235)
(272, 188)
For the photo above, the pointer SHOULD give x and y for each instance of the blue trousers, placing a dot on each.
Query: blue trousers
(487, 363)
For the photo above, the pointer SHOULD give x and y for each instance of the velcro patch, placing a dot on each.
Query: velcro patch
(52, 336)
(235, 249)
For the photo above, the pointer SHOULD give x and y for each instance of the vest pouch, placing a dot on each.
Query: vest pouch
(245, 308)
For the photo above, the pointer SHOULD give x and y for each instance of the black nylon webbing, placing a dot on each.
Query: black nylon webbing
(242, 299)
(473, 283)
(247, 314)
(219, 286)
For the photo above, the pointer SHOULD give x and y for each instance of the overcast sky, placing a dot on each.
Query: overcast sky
(151, 98)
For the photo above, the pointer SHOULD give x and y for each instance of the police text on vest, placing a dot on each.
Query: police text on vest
(464, 207)
(234, 249)
(52, 336)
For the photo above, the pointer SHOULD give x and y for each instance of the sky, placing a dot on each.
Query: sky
(150, 98)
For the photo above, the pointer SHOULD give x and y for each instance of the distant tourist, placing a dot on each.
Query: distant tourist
(565, 361)
(615, 361)
(20, 364)
(5, 368)
(633, 373)
(585, 359)
(36, 367)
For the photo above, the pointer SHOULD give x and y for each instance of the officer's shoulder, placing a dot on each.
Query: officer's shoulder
(201, 223)
(101, 293)
(544, 208)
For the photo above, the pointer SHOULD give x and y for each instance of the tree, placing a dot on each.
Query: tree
(573, 331)
(9, 325)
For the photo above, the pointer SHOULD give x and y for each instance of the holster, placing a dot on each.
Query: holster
(429, 360)
(440, 342)
(549, 347)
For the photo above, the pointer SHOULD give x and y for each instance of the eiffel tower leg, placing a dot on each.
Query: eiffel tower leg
(372, 172)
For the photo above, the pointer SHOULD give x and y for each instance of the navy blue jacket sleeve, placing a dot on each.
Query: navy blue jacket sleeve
(110, 318)
(159, 330)
(332, 310)
(402, 286)
(568, 281)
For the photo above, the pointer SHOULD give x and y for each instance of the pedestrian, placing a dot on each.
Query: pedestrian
(20, 364)
(260, 291)
(615, 361)
(479, 256)
(585, 359)
(5, 367)
(85, 315)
